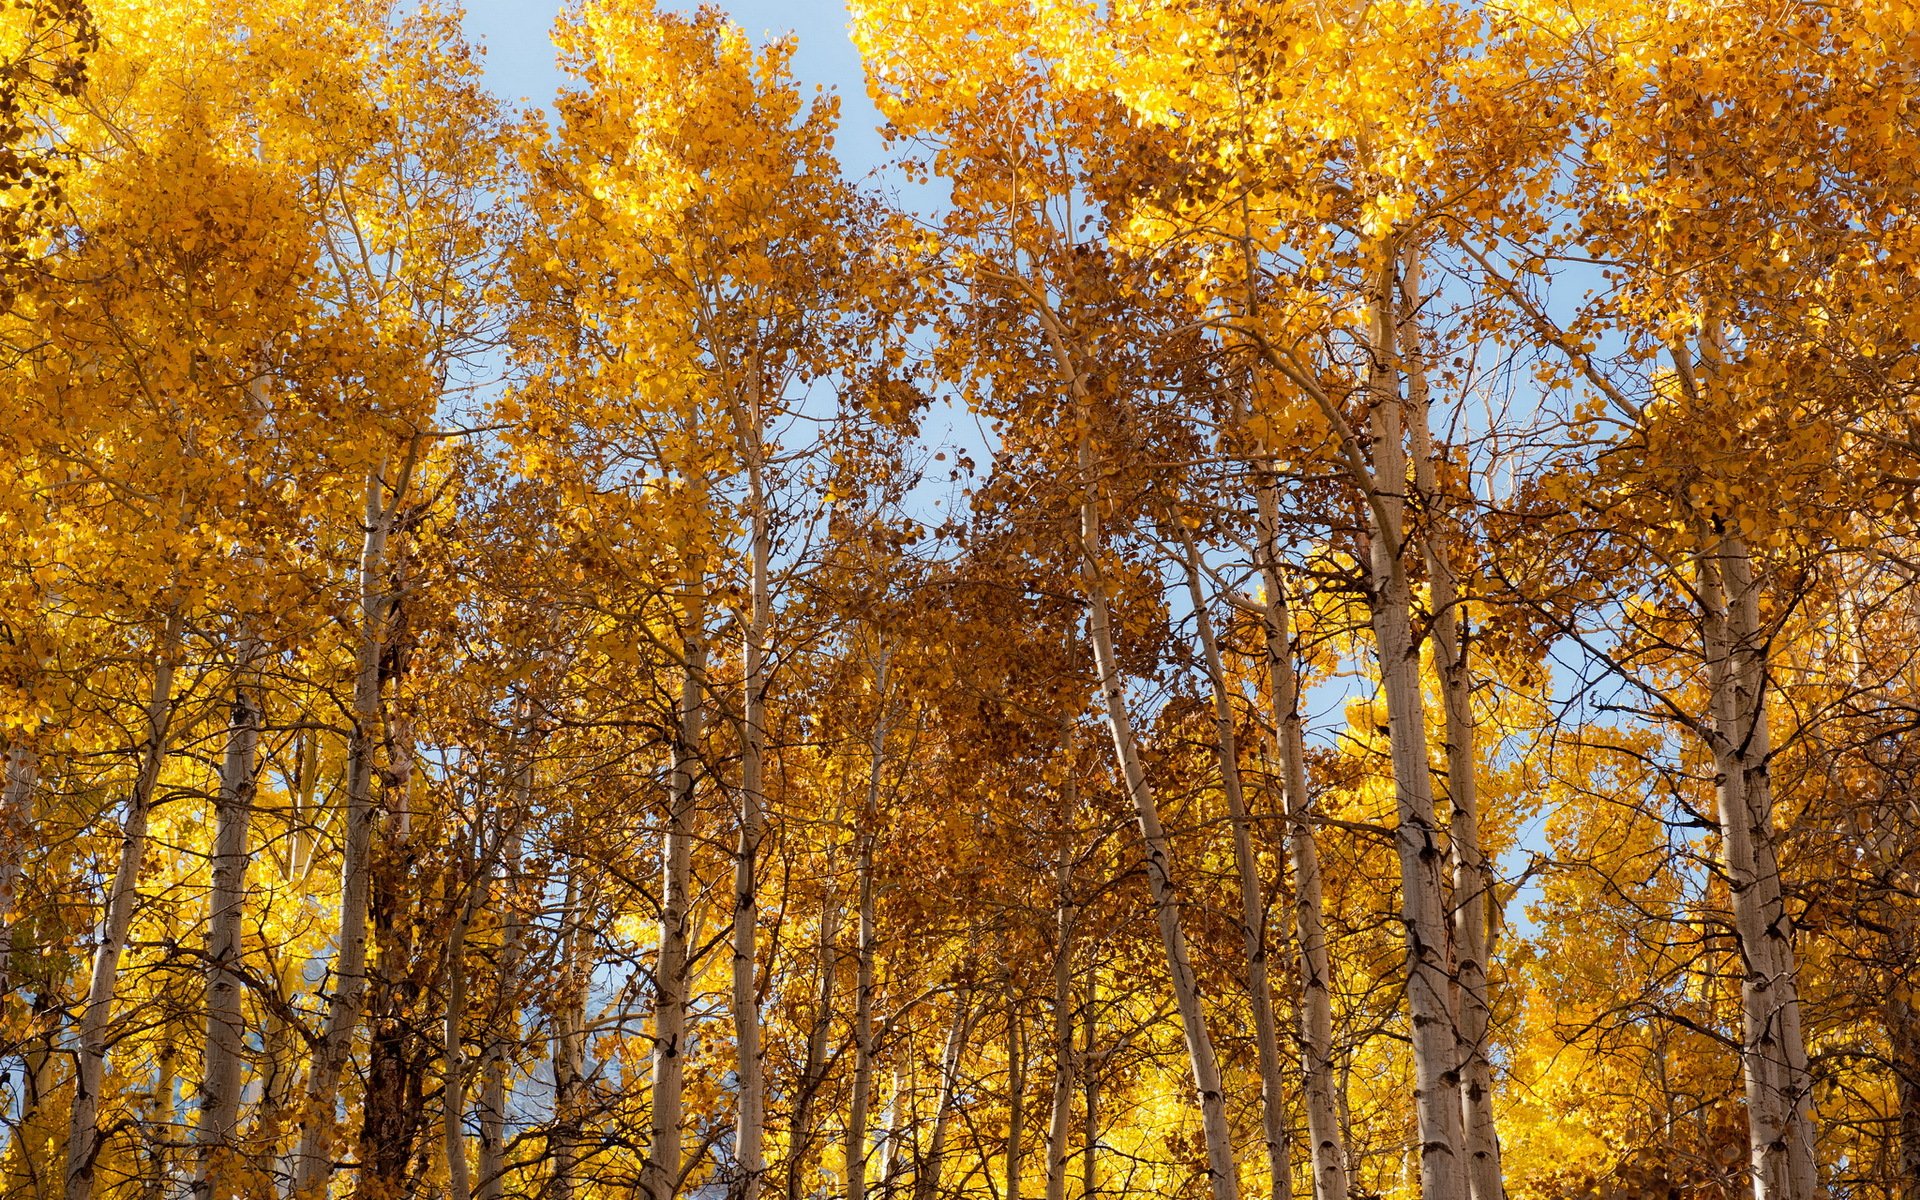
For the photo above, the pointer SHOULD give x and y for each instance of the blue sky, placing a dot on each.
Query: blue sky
(520, 67)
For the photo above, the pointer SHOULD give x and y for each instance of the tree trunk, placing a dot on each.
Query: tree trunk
(453, 1097)
(19, 772)
(661, 1176)
(750, 1126)
(858, 1149)
(491, 1163)
(813, 1073)
(1224, 1176)
(570, 1041)
(1773, 1056)
(226, 1026)
(1253, 899)
(1417, 834)
(1472, 876)
(1329, 1149)
(926, 1175)
(83, 1132)
(1060, 1123)
(1016, 1094)
(313, 1160)
(1090, 1100)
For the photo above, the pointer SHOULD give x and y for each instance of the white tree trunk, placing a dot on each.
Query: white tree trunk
(1253, 899)
(750, 1124)
(858, 1146)
(1472, 876)
(226, 1026)
(491, 1162)
(83, 1132)
(1417, 833)
(926, 1176)
(1060, 1125)
(313, 1160)
(1773, 1055)
(19, 774)
(661, 1176)
(1324, 1131)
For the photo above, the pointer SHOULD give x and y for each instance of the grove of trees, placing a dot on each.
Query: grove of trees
(1414, 693)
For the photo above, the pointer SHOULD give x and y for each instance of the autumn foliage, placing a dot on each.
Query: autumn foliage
(1409, 688)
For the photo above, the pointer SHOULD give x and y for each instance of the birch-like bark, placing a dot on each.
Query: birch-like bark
(1321, 1093)
(1060, 1124)
(491, 1162)
(90, 1060)
(1417, 834)
(226, 1025)
(570, 1041)
(1472, 876)
(661, 1175)
(858, 1146)
(813, 1072)
(19, 773)
(1253, 899)
(749, 1067)
(1016, 1095)
(926, 1176)
(1224, 1177)
(1090, 1099)
(899, 1115)
(1773, 1055)
(453, 1096)
(313, 1160)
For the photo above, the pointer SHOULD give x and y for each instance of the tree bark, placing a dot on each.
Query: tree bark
(750, 1123)
(491, 1162)
(226, 1026)
(858, 1147)
(570, 1041)
(83, 1132)
(19, 773)
(1472, 875)
(313, 1160)
(926, 1176)
(1417, 834)
(1779, 1086)
(1253, 899)
(1016, 1094)
(1329, 1150)
(661, 1175)
(1060, 1124)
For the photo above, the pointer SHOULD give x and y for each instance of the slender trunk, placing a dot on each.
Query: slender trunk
(226, 1026)
(1090, 1101)
(857, 1146)
(750, 1125)
(491, 1163)
(1472, 876)
(1253, 900)
(83, 1133)
(1061, 1121)
(813, 1073)
(1329, 1149)
(661, 1176)
(899, 1115)
(570, 1041)
(926, 1176)
(1224, 1176)
(1773, 1054)
(453, 1099)
(1903, 1040)
(313, 1165)
(1016, 1094)
(19, 772)
(1417, 834)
